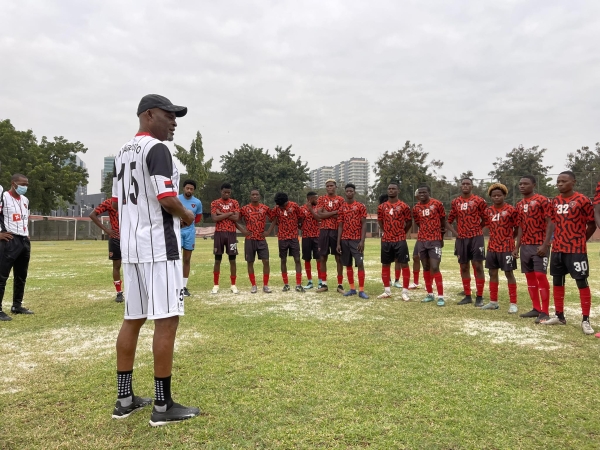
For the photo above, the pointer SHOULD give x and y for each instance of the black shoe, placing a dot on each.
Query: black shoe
(175, 413)
(340, 289)
(4, 316)
(465, 301)
(299, 288)
(20, 310)
(533, 313)
(478, 302)
(286, 288)
(119, 297)
(461, 293)
(120, 412)
(186, 293)
(542, 316)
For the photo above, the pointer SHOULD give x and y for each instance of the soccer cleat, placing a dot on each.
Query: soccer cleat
(320, 285)
(441, 301)
(385, 295)
(465, 301)
(186, 293)
(119, 297)
(253, 289)
(397, 284)
(299, 289)
(363, 295)
(175, 413)
(491, 305)
(340, 289)
(512, 309)
(405, 295)
(554, 321)
(215, 289)
(533, 313)
(121, 412)
(428, 298)
(286, 288)
(5, 317)
(309, 285)
(234, 289)
(412, 286)
(542, 316)
(267, 289)
(323, 288)
(586, 327)
(478, 302)
(350, 292)
(20, 310)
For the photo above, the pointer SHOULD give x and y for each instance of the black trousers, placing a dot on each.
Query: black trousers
(14, 255)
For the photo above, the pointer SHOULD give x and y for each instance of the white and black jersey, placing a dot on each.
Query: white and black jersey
(14, 214)
(144, 172)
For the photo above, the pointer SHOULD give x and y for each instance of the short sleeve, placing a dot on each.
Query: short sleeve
(102, 207)
(160, 170)
(588, 209)
(597, 195)
(380, 213)
(452, 214)
(214, 206)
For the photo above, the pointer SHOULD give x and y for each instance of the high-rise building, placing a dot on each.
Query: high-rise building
(355, 171)
(81, 190)
(319, 176)
(108, 167)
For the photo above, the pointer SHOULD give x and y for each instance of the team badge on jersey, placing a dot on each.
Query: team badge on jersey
(572, 204)
(504, 213)
(16, 217)
(193, 205)
(169, 184)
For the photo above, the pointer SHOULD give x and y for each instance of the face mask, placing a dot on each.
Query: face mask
(21, 190)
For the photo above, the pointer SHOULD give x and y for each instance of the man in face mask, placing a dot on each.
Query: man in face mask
(15, 248)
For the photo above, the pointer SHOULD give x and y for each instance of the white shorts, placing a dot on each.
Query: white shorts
(153, 290)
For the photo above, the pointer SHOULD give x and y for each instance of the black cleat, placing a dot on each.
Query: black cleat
(121, 412)
(340, 289)
(4, 316)
(478, 302)
(533, 314)
(543, 316)
(186, 293)
(20, 310)
(465, 301)
(119, 297)
(299, 289)
(175, 413)
(286, 288)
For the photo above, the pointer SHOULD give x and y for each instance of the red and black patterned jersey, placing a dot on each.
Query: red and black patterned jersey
(328, 204)
(310, 225)
(393, 217)
(429, 218)
(597, 195)
(225, 206)
(534, 211)
(468, 213)
(571, 216)
(113, 214)
(350, 215)
(287, 220)
(502, 223)
(256, 219)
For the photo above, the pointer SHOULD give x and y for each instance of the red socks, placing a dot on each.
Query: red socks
(559, 298)
(512, 293)
(117, 285)
(298, 278)
(585, 296)
(493, 291)
(308, 269)
(428, 281)
(534, 291)
(232, 278)
(350, 275)
(439, 284)
(361, 280)
(216, 278)
(405, 277)
(319, 268)
(385, 276)
(544, 287)
(340, 279)
(252, 279)
(284, 275)
(480, 284)
(265, 279)
(467, 285)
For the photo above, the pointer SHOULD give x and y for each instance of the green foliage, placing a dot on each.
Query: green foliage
(50, 166)
(211, 189)
(107, 185)
(249, 167)
(193, 160)
(585, 163)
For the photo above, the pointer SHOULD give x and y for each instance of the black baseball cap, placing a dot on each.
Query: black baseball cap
(158, 101)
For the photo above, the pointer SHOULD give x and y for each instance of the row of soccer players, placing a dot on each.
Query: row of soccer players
(331, 224)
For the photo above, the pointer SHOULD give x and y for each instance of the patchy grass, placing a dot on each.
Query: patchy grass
(287, 370)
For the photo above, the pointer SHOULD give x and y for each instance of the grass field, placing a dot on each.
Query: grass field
(291, 370)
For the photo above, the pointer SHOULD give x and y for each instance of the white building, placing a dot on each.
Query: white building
(355, 171)
(319, 176)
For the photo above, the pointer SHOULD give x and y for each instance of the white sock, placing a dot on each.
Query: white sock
(185, 282)
(387, 289)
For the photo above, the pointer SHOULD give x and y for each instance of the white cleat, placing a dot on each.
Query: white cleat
(405, 295)
(385, 295)
(215, 289)
(234, 289)
(586, 327)
(412, 286)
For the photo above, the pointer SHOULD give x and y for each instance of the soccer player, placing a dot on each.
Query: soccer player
(416, 261)
(225, 211)
(310, 237)
(469, 212)
(503, 221)
(255, 216)
(15, 248)
(288, 218)
(395, 220)
(327, 210)
(188, 234)
(352, 229)
(114, 242)
(430, 215)
(145, 186)
(534, 244)
(397, 269)
(573, 224)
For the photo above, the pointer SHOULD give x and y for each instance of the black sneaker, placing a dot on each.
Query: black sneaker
(20, 310)
(175, 413)
(186, 293)
(478, 302)
(121, 412)
(286, 288)
(465, 301)
(542, 316)
(299, 288)
(119, 297)
(4, 316)
(340, 289)
(533, 313)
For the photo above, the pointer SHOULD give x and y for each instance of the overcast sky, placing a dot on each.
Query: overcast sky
(469, 80)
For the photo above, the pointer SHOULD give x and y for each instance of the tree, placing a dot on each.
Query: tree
(211, 189)
(107, 185)
(523, 161)
(585, 163)
(50, 166)
(193, 160)
(408, 166)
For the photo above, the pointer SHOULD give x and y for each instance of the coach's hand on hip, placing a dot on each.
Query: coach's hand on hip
(5, 236)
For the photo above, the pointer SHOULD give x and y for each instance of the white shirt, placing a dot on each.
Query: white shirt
(144, 172)
(14, 214)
